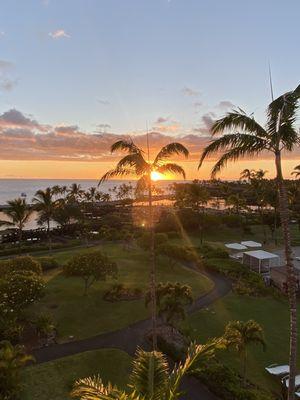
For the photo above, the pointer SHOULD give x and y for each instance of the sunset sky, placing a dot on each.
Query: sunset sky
(75, 75)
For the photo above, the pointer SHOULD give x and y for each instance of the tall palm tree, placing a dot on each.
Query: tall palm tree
(135, 163)
(249, 138)
(45, 206)
(151, 378)
(237, 202)
(296, 171)
(240, 335)
(18, 213)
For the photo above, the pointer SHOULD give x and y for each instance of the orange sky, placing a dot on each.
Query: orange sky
(93, 170)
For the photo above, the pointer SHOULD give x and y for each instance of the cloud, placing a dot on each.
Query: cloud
(161, 120)
(186, 91)
(5, 65)
(103, 102)
(2, 33)
(206, 123)
(225, 105)
(7, 83)
(59, 34)
(102, 128)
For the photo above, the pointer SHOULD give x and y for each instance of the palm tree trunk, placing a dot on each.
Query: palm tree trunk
(20, 239)
(49, 235)
(284, 215)
(152, 269)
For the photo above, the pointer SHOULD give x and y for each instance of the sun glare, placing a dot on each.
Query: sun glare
(156, 176)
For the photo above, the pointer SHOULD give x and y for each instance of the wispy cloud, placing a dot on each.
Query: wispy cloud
(103, 102)
(7, 83)
(225, 105)
(59, 34)
(162, 120)
(187, 91)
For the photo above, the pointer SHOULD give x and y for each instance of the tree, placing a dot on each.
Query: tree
(12, 360)
(75, 193)
(240, 335)
(237, 202)
(18, 214)
(250, 139)
(171, 298)
(90, 267)
(296, 172)
(45, 206)
(150, 379)
(135, 163)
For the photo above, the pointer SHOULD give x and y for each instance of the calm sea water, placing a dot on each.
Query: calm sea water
(14, 188)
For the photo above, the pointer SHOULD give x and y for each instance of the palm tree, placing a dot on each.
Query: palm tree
(75, 192)
(135, 163)
(150, 379)
(45, 206)
(240, 335)
(18, 213)
(12, 360)
(250, 139)
(296, 171)
(237, 202)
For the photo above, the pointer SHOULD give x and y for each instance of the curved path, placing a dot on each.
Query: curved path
(127, 339)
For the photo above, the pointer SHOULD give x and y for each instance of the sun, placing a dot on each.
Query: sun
(156, 176)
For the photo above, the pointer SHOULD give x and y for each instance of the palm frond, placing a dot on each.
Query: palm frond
(134, 161)
(126, 145)
(238, 142)
(171, 168)
(195, 354)
(149, 377)
(92, 388)
(170, 150)
(115, 172)
(240, 121)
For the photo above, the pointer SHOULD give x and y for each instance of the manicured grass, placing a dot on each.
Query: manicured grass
(54, 380)
(272, 314)
(84, 316)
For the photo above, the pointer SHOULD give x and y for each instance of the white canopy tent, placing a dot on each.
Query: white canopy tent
(260, 261)
(235, 246)
(251, 243)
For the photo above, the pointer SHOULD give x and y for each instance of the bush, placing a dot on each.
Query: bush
(178, 253)
(208, 251)
(48, 263)
(228, 385)
(20, 264)
(145, 240)
(120, 292)
(19, 290)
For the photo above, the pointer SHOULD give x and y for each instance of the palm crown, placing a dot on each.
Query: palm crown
(150, 379)
(17, 212)
(250, 137)
(135, 163)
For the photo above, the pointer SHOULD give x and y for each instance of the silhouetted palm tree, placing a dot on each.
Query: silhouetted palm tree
(18, 213)
(296, 171)
(250, 139)
(45, 206)
(135, 163)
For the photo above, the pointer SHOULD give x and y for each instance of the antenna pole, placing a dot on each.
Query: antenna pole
(271, 83)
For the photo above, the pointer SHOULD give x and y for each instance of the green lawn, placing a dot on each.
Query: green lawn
(54, 380)
(272, 314)
(84, 316)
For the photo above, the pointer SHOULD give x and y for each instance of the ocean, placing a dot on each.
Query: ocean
(13, 188)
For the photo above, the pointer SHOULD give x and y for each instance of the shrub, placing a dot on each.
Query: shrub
(145, 240)
(20, 264)
(48, 263)
(120, 292)
(208, 251)
(226, 384)
(18, 291)
(90, 267)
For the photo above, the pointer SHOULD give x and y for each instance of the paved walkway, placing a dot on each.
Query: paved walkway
(127, 339)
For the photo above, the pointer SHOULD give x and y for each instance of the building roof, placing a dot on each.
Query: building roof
(235, 246)
(261, 254)
(251, 243)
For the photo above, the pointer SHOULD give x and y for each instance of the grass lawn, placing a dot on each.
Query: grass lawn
(271, 314)
(55, 379)
(84, 316)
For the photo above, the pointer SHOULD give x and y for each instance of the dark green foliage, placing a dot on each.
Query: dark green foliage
(178, 253)
(145, 240)
(48, 263)
(120, 292)
(226, 384)
(172, 298)
(20, 264)
(208, 251)
(91, 267)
